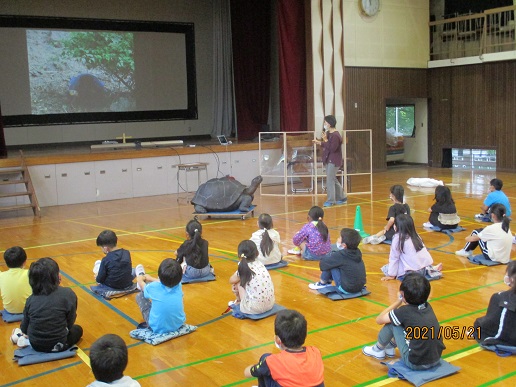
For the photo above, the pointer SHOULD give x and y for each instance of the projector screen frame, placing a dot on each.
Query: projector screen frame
(36, 22)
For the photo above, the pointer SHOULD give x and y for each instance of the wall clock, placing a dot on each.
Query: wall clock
(369, 7)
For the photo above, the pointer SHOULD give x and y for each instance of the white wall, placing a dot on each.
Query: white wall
(197, 12)
(398, 36)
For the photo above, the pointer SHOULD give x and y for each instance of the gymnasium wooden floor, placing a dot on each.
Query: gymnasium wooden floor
(216, 354)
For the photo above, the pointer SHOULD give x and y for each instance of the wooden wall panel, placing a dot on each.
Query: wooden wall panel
(366, 92)
(474, 106)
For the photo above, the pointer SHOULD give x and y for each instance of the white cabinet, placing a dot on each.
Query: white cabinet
(75, 183)
(150, 176)
(245, 166)
(113, 179)
(219, 163)
(45, 184)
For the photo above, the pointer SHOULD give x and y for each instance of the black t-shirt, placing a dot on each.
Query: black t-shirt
(47, 318)
(198, 262)
(421, 332)
(351, 267)
(442, 208)
(116, 269)
(498, 326)
(395, 210)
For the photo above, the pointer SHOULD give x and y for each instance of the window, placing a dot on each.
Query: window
(400, 120)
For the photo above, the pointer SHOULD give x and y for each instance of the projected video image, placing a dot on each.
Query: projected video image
(80, 71)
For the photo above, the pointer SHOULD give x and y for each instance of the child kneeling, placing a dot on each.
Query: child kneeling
(344, 266)
(405, 327)
(295, 365)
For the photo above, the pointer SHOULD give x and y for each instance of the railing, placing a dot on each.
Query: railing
(473, 35)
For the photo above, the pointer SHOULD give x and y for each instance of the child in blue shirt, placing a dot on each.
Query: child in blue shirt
(161, 300)
(494, 196)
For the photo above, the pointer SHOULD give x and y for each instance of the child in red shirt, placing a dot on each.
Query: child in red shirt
(296, 365)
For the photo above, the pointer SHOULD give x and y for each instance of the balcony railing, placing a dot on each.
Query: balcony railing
(472, 35)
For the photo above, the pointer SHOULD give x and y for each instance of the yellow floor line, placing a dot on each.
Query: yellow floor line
(83, 357)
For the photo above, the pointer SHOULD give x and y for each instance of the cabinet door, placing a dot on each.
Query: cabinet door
(245, 166)
(150, 176)
(113, 179)
(45, 184)
(75, 183)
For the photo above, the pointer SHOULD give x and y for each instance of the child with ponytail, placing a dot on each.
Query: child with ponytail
(251, 283)
(193, 253)
(314, 235)
(267, 241)
(495, 240)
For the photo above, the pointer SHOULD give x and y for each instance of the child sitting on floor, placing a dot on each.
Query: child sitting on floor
(396, 195)
(251, 283)
(404, 323)
(344, 266)
(115, 269)
(408, 252)
(161, 300)
(443, 213)
(192, 255)
(49, 315)
(495, 240)
(497, 326)
(14, 283)
(314, 235)
(495, 196)
(108, 359)
(267, 241)
(296, 364)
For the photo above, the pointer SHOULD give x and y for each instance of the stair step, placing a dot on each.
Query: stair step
(14, 208)
(7, 182)
(11, 194)
(10, 171)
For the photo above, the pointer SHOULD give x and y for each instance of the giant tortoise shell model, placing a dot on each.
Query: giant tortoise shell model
(224, 194)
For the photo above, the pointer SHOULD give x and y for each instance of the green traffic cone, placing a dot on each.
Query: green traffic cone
(359, 226)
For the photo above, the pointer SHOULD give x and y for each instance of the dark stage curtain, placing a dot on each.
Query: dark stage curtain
(292, 65)
(3, 148)
(251, 38)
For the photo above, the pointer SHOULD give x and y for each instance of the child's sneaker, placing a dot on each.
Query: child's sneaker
(377, 240)
(428, 225)
(374, 351)
(318, 285)
(23, 341)
(15, 335)
(212, 270)
(232, 303)
(368, 239)
(463, 253)
(295, 251)
(480, 216)
(139, 270)
(96, 267)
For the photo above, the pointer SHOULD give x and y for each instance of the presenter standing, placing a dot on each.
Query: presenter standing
(331, 144)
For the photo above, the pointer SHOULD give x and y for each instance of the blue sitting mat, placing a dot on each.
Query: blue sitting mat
(501, 350)
(448, 230)
(235, 309)
(420, 377)
(27, 355)
(147, 335)
(234, 212)
(333, 293)
(209, 277)
(276, 265)
(9, 317)
(109, 293)
(479, 259)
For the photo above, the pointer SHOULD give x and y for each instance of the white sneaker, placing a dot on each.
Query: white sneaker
(15, 335)
(96, 267)
(480, 216)
(390, 352)
(318, 285)
(294, 251)
(139, 270)
(23, 342)
(374, 351)
(368, 239)
(377, 240)
(428, 225)
(463, 253)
